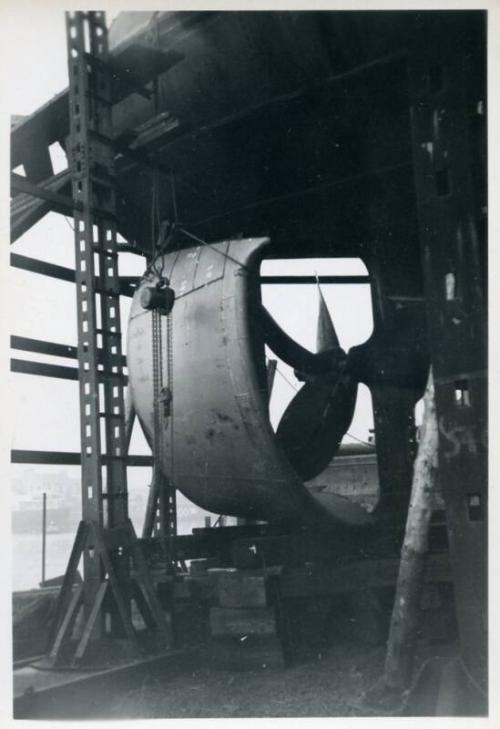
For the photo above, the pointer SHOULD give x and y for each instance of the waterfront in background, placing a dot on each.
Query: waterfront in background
(352, 476)
(62, 523)
(27, 547)
(27, 558)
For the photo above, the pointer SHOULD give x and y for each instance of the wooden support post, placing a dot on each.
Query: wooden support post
(401, 643)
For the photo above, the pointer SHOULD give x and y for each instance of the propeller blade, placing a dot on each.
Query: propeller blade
(314, 423)
(271, 374)
(288, 350)
(316, 420)
(326, 336)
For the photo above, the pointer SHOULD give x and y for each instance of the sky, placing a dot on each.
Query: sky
(46, 412)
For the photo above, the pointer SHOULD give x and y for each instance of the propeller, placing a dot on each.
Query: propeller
(317, 418)
(315, 421)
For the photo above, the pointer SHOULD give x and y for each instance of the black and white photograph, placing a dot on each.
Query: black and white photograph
(246, 375)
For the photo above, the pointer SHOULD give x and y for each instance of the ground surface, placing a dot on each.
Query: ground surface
(328, 678)
(329, 685)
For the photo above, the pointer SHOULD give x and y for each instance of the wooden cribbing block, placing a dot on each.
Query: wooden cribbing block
(200, 566)
(241, 622)
(218, 573)
(240, 590)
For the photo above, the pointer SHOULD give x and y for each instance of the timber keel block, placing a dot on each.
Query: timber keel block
(244, 632)
(240, 588)
(242, 622)
(245, 639)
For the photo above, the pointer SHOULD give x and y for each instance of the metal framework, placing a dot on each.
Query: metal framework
(447, 83)
(96, 259)
(105, 536)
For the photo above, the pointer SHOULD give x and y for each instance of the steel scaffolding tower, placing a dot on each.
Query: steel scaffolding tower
(105, 536)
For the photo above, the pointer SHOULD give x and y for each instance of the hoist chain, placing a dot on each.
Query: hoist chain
(165, 518)
(170, 482)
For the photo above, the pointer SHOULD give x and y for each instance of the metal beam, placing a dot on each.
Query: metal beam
(50, 123)
(65, 274)
(129, 281)
(129, 248)
(59, 203)
(53, 183)
(28, 367)
(26, 210)
(42, 267)
(266, 280)
(39, 346)
(66, 458)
